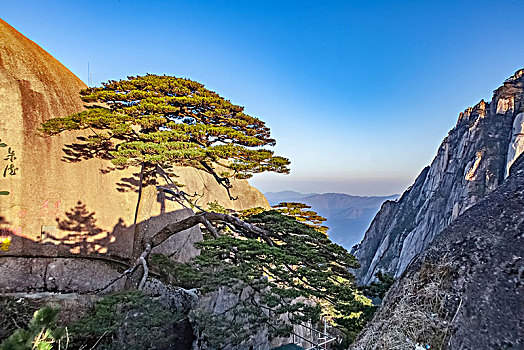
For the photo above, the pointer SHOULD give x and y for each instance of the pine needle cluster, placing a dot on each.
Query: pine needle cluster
(167, 120)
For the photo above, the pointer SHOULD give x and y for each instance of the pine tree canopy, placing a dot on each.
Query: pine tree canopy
(296, 271)
(168, 121)
(301, 213)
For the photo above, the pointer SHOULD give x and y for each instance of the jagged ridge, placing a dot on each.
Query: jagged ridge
(471, 162)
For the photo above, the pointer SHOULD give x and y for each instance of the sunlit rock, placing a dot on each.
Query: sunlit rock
(55, 201)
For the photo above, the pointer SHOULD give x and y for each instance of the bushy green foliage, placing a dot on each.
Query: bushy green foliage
(15, 313)
(125, 320)
(378, 289)
(373, 291)
(303, 275)
(251, 211)
(301, 213)
(175, 273)
(216, 207)
(172, 121)
(42, 333)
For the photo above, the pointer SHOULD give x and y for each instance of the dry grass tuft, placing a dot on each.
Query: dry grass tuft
(419, 310)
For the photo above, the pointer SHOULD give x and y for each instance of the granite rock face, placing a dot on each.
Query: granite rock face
(57, 275)
(472, 161)
(466, 290)
(171, 297)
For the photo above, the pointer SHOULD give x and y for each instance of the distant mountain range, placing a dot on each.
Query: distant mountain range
(348, 216)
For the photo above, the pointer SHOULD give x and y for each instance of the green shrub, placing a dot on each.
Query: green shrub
(41, 334)
(126, 320)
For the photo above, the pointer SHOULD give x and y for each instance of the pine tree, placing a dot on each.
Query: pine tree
(297, 272)
(167, 121)
(301, 213)
(164, 120)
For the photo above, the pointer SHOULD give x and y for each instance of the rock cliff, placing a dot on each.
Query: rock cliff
(471, 162)
(466, 290)
(54, 204)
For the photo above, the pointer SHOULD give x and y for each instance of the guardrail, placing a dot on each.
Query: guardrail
(318, 340)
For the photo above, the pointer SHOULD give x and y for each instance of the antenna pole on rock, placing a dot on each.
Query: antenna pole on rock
(89, 78)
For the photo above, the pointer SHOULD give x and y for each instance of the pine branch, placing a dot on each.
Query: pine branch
(224, 181)
(205, 218)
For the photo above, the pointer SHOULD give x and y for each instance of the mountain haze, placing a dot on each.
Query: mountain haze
(348, 216)
(285, 196)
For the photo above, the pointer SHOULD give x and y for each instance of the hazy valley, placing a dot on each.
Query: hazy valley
(347, 216)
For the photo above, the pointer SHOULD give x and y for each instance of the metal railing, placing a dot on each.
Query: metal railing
(318, 340)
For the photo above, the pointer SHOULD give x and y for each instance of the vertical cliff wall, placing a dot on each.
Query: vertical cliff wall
(471, 162)
(466, 290)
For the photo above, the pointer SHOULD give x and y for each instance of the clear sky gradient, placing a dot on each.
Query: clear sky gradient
(358, 94)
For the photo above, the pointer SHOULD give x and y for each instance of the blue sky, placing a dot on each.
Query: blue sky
(358, 94)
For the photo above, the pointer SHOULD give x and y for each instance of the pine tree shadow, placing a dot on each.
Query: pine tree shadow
(75, 235)
(130, 184)
(77, 152)
(151, 176)
(78, 234)
(83, 236)
(83, 150)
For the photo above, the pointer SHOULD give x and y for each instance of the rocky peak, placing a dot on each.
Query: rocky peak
(473, 113)
(471, 162)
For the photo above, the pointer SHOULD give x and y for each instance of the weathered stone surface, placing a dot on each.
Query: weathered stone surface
(59, 275)
(466, 291)
(174, 298)
(516, 145)
(471, 162)
(80, 276)
(22, 274)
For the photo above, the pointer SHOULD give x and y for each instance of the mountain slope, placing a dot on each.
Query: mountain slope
(466, 291)
(471, 162)
(348, 216)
